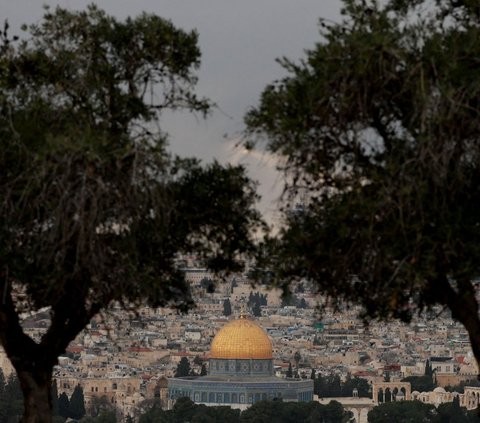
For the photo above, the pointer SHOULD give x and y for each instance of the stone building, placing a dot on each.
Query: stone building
(118, 391)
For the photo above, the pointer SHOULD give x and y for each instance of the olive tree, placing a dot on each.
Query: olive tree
(378, 132)
(93, 208)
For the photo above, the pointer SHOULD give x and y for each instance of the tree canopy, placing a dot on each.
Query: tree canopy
(94, 209)
(227, 307)
(416, 411)
(77, 404)
(421, 383)
(291, 412)
(183, 368)
(11, 400)
(185, 410)
(377, 130)
(332, 386)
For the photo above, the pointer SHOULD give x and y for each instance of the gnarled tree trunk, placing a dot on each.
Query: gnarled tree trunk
(34, 362)
(464, 307)
(36, 388)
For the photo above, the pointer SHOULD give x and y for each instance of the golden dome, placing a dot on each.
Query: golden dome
(241, 339)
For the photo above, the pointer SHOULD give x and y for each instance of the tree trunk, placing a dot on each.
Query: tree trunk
(36, 387)
(463, 305)
(466, 313)
(34, 361)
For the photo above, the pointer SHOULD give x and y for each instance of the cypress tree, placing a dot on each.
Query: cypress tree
(13, 397)
(54, 396)
(227, 307)
(256, 310)
(289, 371)
(183, 368)
(428, 369)
(77, 404)
(63, 406)
(297, 357)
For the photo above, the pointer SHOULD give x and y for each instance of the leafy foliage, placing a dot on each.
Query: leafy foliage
(402, 412)
(183, 368)
(101, 406)
(289, 373)
(263, 411)
(153, 415)
(54, 398)
(378, 133)
(461, 386)
(291, 412)
(104, 417)
(186, 410)
(64, 406)
(94, 209)
(416, 411)
(77, 404)
(332, 386)
(421, 383)
(451, 412)
(227, 307)
(428, 369)
(289, 300)
(255, 301)
(11, 399)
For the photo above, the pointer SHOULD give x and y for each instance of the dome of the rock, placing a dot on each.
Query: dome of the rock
(240, 371)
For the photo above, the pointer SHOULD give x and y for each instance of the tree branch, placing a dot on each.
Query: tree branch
(464, 307)
(19, 347)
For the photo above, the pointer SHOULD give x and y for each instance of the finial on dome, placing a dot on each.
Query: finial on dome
(243, 311)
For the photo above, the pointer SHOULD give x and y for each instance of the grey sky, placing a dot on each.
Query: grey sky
(239, 40)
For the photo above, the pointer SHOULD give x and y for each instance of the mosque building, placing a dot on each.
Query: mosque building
(240, 371)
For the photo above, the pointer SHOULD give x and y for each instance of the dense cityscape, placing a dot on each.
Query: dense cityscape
(125, 361)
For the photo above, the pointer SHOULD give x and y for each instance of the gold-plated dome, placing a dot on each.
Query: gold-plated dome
(241, 339)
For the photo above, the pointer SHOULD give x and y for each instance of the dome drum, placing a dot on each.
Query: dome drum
(251, 367)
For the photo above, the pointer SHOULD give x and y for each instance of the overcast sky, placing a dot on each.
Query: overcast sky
(239, 40)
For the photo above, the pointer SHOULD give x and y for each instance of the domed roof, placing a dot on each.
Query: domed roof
(440, 390)
(241, 339)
